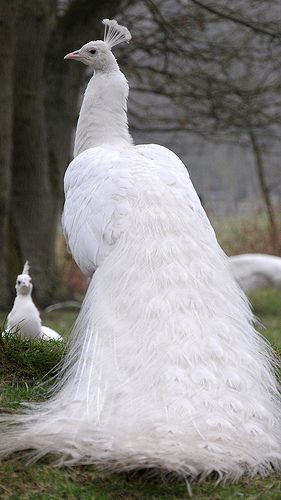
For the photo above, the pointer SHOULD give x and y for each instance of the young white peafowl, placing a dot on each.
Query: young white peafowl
(256, 270)
(24, 317)
(164, 369)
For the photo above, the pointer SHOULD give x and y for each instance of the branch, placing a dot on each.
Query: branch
(230, 16)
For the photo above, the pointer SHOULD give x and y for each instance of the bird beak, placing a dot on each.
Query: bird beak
(73, 55)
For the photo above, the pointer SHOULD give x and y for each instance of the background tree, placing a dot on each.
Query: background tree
(8, 17)
(45, 92)
(211, 70)
(32, 210)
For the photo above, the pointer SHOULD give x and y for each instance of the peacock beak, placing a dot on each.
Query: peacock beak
(73, 55)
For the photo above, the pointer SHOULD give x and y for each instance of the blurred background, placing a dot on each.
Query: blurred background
(205, 80)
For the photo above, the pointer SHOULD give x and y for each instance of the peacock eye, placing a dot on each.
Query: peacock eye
(19, 282)
(93, 51)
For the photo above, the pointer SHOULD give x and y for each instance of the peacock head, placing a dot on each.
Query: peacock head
(24, 282)
(98, 54)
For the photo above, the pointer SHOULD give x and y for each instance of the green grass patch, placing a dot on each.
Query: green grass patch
(26, 367)
(267, 303)
(29, 359)
(267, 308)
(41, 481)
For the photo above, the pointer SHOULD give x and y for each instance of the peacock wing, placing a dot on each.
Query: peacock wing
(173, 180)
(96, 187)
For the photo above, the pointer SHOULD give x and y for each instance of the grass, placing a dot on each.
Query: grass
(45, 482)
(245, 234)
(267, 307)
(27, 362)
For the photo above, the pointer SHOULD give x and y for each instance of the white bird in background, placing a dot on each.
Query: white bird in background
(165, 369)
(24, 317)
(256, 270)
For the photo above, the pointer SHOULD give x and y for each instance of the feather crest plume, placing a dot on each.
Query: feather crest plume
(114, 33)
(26, 268)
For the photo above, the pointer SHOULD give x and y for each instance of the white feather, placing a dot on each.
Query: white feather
(26, 268)
(106, 122)
(165, 369)
(253, 271)
(114, 33)
(49, 333)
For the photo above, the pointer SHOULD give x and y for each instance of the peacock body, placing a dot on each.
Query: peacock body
(165, 369)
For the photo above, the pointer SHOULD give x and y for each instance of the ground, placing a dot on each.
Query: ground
(26, 363)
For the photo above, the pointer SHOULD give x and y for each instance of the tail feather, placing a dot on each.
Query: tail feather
(146, 383)
(49, 333)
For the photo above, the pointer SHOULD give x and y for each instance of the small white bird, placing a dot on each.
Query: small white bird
(255, 270)
(24, 317)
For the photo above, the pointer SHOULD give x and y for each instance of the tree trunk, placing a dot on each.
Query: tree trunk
(8, 16)
(46, 96)
(63, 84)
(32, 224)
(259, 163)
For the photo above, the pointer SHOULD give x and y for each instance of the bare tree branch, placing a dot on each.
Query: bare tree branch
(230, 15)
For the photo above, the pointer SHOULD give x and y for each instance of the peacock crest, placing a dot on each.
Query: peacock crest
(26, 268)
(114, 33)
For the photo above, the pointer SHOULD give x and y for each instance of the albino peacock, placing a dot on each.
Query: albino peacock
(24, 317)
(164, 369)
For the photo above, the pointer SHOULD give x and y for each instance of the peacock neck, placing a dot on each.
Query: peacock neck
(103, 114)
(22, 298)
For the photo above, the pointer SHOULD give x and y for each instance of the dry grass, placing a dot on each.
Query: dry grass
(248, 234)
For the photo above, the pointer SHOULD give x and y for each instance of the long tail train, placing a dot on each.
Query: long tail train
(146, 385)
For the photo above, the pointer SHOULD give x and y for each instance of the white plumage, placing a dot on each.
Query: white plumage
(24, 317)
(254, 270)
(164, 369)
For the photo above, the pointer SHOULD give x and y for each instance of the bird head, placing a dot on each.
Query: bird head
(98, 54)
(24, 282)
